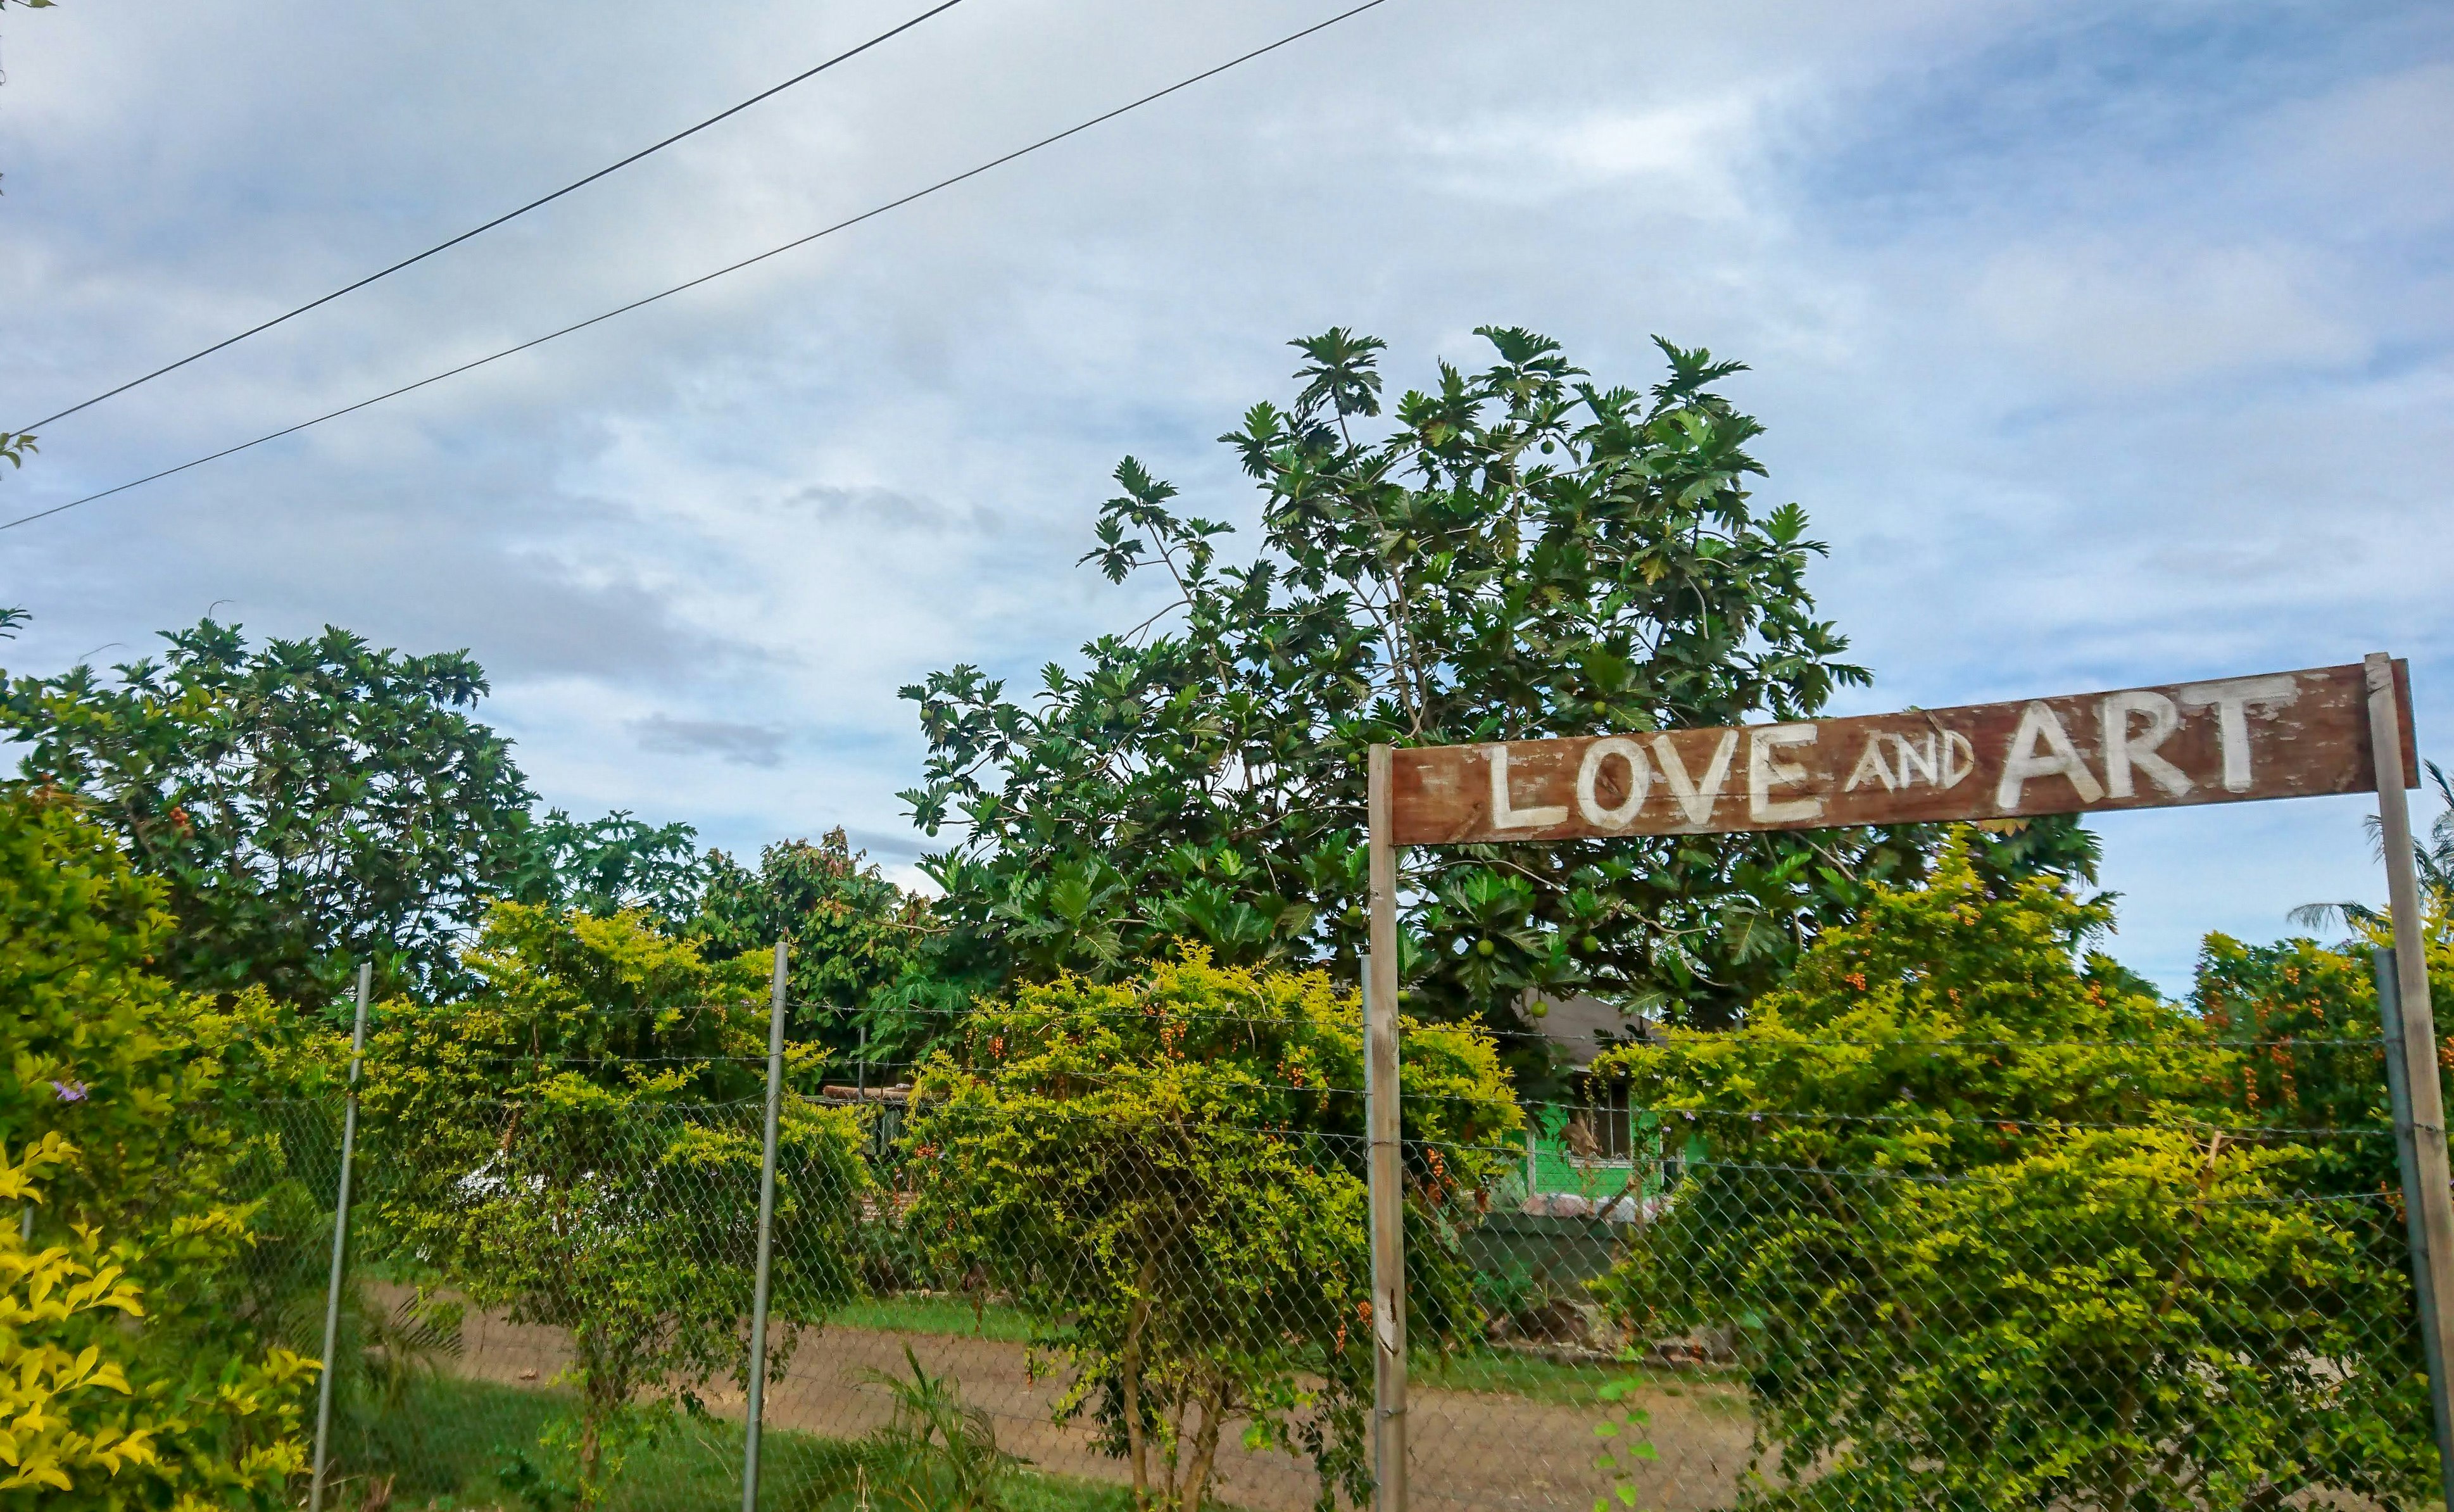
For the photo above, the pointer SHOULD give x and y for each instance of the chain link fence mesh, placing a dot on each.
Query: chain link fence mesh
(1028, 1306)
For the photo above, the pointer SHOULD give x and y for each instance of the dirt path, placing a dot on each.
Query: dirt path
(1468, 1449)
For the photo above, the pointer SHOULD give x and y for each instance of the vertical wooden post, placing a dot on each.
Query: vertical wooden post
(2428, 1190)
(755, 1409)
(2406, 1159)
(340, 1248)
(1387, 1170)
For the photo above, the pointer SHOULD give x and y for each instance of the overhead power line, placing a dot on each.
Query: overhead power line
(508, 215)
(731, 268)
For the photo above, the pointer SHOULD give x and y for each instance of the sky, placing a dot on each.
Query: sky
(2103, 344)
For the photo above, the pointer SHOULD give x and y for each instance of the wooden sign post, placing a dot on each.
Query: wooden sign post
(2345, 729)
(2411, 1032)
(1383, 1152)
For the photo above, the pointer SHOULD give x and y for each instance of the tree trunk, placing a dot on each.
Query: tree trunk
(600, 1395)
(1170, 1475)
(1205, 1447)
(592, 1449)
(1129, 1368)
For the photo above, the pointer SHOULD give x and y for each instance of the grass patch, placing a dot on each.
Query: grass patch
(1030, 1491)
(444, 1449)
(937, 1315)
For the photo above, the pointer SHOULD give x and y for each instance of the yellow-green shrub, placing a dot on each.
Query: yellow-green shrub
(90, 1417)
(136, 1104)
(1984, 1229)
(1167, 1175)
(578, 1145)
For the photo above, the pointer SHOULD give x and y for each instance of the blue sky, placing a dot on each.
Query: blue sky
(2104, 344)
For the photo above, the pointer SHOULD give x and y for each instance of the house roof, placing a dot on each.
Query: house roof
(1583, 1025)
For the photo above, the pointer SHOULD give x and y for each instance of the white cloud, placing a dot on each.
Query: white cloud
(1697, 160)
(2106, 345)
(2096, 314)
(2378, 153)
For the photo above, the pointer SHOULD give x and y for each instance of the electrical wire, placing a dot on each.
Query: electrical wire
(731, 268)
(508, 215)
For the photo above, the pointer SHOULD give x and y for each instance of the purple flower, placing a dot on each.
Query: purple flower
(70, 1091)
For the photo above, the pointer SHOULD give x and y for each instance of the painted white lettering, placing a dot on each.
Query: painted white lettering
(1763, 773)
(2124, 752)
(1504, 814)
(2023, 760)
(2232, 698)
(1871, 765)
(1639, 779)
(1696, 799)
(1913, 762)
(1943, 757)
(1959, 758)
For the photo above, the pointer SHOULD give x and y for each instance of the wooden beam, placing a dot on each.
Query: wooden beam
(2282, 734)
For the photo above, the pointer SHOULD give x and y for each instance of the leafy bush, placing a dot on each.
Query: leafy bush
(578, 1145)
(144, 1103)
(2317, 1060)
(1166, 1174)
(92, 1415)
(1985, 1234)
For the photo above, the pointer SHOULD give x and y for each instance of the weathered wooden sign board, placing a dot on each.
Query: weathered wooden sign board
(2282, 734)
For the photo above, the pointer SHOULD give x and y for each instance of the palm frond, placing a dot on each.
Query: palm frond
(2346, 915)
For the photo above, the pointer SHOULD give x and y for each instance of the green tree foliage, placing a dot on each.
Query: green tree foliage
(140, 1106)
(577, 1143)
(1985, 1234)
(305, 803)
(605, 866)
(1516, 553)
(859, 957)
(1166, 1174)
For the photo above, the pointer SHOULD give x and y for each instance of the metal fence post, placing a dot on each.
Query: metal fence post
(2427, 1188)
(340, 1247)
(757, 1405)
(1387, 1172)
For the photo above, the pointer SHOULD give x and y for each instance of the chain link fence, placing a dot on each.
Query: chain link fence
(1056, 1302)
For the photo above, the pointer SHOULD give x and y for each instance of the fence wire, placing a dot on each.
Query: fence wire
(1049, 1303)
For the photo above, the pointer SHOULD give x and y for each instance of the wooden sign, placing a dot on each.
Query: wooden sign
(2284, 735)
